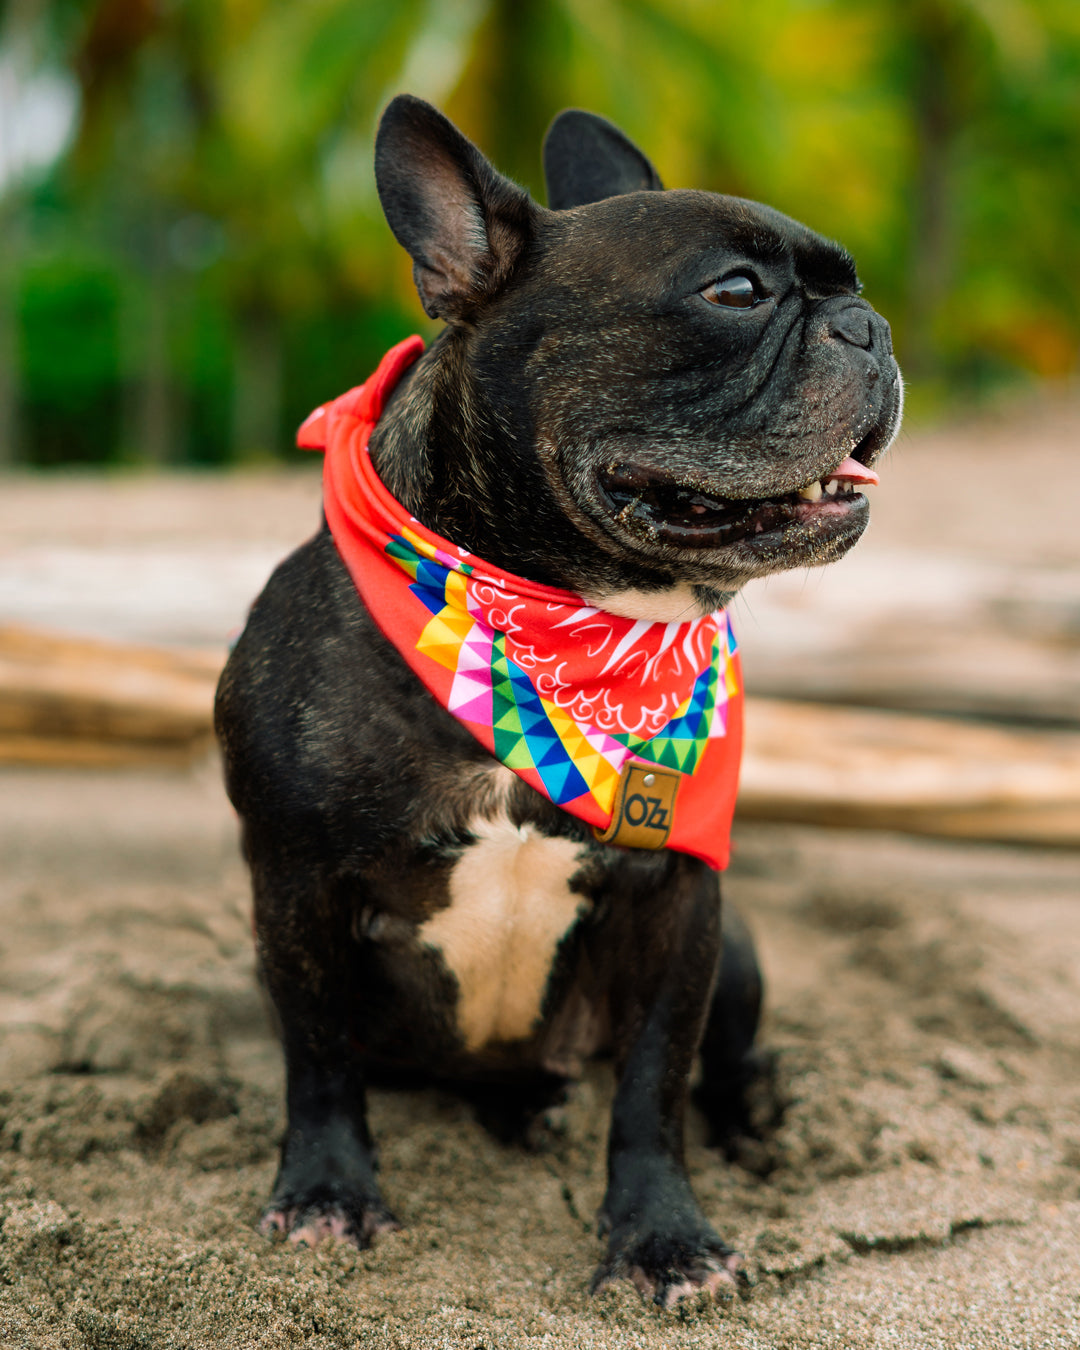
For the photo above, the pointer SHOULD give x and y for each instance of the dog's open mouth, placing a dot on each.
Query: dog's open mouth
(684, 515)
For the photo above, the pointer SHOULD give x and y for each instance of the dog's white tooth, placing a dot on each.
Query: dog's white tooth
(811, 493)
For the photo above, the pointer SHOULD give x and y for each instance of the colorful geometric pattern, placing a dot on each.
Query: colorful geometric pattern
(495, 694)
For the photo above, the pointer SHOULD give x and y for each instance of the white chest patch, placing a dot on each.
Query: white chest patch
(509, 907)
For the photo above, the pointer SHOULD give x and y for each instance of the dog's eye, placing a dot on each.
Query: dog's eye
(737, 292)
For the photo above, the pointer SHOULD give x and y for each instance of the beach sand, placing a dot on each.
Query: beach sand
(921, 1189)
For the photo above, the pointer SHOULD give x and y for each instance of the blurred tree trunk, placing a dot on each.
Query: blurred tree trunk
(19, 39)
(150, 430)
(9, 362)
(257, 375)
(512, 93)
(938, 59)
(156, 421)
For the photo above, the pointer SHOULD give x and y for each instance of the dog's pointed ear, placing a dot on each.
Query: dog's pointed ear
(463, 224)
(587, 158)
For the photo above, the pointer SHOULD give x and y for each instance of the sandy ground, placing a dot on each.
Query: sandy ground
(920, 1189)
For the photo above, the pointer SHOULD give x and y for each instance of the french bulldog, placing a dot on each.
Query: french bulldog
(644, 398)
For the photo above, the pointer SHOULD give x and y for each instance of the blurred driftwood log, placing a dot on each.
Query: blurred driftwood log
(859, 767)
(985, 639)
(75, 701)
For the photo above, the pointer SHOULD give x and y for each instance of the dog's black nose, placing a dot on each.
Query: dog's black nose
(853, 325)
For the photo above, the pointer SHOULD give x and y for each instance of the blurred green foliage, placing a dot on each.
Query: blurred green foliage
(206, 260)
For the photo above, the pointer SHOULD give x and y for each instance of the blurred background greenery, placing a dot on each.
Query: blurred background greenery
(193, 255)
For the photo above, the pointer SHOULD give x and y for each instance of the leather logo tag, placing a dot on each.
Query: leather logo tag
(644, 808)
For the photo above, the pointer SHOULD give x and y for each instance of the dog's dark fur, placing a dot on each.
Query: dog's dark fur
(586, 367)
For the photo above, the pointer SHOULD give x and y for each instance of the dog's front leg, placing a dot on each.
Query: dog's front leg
(326, 1181)
(659, 1238)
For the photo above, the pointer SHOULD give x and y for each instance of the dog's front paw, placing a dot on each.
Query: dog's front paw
(667, 1268)
(306, 1222)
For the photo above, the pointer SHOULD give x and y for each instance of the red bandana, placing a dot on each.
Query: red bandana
(632, 726)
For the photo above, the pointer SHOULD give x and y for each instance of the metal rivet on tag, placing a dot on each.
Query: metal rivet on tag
(643, 813)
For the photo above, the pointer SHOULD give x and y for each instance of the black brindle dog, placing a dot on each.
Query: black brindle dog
(640, 396)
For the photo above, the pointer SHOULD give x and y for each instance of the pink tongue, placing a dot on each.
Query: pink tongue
(851, 471)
